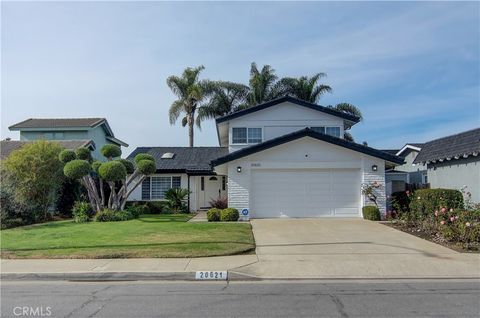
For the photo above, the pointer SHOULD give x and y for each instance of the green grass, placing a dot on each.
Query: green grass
(164, 235)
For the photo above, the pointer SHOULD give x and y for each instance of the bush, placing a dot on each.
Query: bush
(113, 216)
(84, 154)
(146, 166)
(67, 155)
(425, 201)
(82, 212)
(111, 151)
(77, 169)
(229, 214)
(112, 171)
(143, 156)
(176, 201)
(371, 213)
(213, 215)
(70, 192)
(128, 165)
(457, 226)
(137, 210)
(150, 207)
(401, 201)
(220, 203)
(13, 213)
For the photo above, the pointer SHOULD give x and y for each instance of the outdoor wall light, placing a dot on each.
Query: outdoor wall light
(239, 169)
(374, 168)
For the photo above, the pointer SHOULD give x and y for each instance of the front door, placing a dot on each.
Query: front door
(210, 188)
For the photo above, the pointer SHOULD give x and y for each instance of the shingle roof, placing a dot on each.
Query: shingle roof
(451, 147)
(328, 110)
(57, 123)
(391, 151)
(7, 146)
(186, 159)
(307, 132)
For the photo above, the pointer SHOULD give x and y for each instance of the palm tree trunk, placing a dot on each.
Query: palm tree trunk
(190, 122)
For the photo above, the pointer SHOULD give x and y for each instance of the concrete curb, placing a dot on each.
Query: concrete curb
(116, 276)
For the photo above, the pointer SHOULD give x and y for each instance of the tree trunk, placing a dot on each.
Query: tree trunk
(102, 193)
(124, 198)
(190, 123)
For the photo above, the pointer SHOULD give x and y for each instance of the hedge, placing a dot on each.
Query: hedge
(426, 201)
(213, 215)
(371, 213)
(229, 214)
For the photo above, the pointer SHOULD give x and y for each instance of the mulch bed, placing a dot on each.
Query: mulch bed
(432, 238)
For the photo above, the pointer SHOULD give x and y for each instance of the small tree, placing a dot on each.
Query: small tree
(36, 174)
(122, 176)
(369, 190)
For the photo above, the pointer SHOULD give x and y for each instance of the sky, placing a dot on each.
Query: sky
(413, 68)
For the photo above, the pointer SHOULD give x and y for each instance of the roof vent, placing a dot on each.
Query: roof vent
(168, 155)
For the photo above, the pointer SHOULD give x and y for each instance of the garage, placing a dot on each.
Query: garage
(303, 193)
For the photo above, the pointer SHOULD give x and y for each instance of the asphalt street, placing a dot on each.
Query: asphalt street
(408, 298)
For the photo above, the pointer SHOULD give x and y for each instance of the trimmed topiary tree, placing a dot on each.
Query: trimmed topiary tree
(121, 175)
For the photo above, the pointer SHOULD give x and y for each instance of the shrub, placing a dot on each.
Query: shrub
(111, 151)
(84, 154)
(112, 171)
(176, 200)
(457, 226)
(213, 215)
(13, 213)
(143, 156)
(82, 212)
(401, 201)
(70, 192)
(426, 201)
(113, 216)
(146, 166)
(150, 207)
(371, 213)
(37, 175)
(229, 214)
(77, 169)
(95, 165)
(137, 210)
(128, 165)
(67, 155)
(220, 203)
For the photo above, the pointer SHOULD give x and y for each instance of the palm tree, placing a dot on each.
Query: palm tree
(351, 110)
(305, 88)
(261, 85)
(191, 92)
(227, 97)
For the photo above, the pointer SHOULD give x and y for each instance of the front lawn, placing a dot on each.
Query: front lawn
(153, 235)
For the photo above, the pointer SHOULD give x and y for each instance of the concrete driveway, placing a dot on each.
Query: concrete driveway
(350, 248)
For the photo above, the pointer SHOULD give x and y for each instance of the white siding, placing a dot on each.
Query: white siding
(282, 119)
(370, 176)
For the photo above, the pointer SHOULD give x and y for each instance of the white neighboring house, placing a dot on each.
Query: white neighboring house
(283, 158)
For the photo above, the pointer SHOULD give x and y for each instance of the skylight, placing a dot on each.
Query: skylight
(168, 155)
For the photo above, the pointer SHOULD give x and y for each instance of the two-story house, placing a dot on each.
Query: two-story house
(283, 158)
(95, 132)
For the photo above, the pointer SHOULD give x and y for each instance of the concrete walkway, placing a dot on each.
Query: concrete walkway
(201, 216)
(350, 248)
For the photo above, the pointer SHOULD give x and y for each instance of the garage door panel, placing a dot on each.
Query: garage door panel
(305, 193)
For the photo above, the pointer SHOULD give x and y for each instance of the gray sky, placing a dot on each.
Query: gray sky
(412, 68)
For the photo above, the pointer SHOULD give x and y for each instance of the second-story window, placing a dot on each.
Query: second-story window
(243, 135)
(332, 131)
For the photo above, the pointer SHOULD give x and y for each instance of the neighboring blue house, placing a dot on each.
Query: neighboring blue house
(96, 130)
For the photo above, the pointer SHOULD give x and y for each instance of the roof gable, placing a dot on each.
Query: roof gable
(7, 146)
(307, 132)
(57, 123)
(411, 146)
(461, 145)
(296, 101)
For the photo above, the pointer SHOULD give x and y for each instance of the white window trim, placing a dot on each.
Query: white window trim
(247, 143)
(330, 126)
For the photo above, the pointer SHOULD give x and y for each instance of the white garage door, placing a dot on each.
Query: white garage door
(305, 193)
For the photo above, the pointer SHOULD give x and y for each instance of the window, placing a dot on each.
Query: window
(146, 189)
(224, 183)
(333, 131)
(243, 135)
(239, 135)
(202, 183)
(425, 179)
(154, 188)
(254, 135)
(318, 129)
